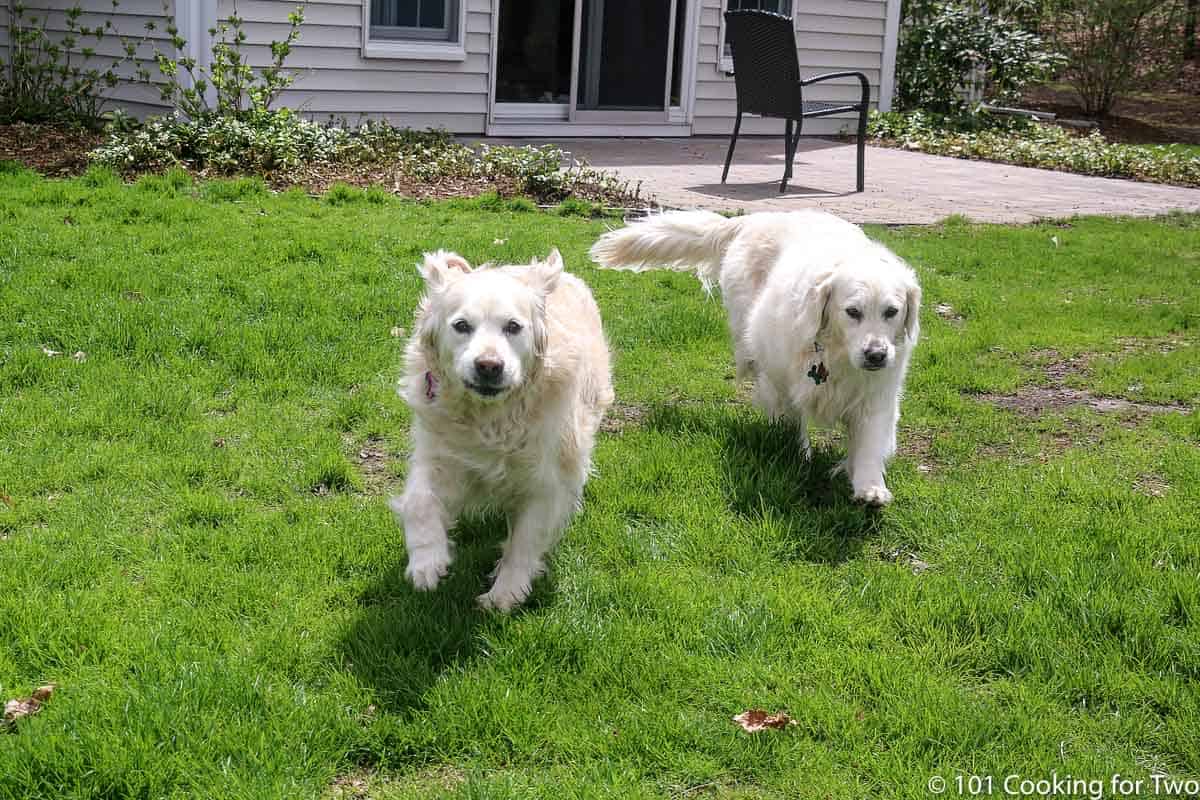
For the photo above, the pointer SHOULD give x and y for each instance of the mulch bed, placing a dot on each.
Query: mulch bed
(319, 178)
(59, 152)
(1165, 114)
(53, 151)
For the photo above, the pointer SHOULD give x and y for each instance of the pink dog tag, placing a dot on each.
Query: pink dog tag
(430, 386)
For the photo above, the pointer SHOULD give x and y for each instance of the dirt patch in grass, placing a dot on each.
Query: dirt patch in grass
(349, 787)
(1151, 485)
(362, 784)
(1132, 345)
(1037, 400)
(621, 416)
(918, 446)
(372, 460)
(1053, 396)
(1058, 368)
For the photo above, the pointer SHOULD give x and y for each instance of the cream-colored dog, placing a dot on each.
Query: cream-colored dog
(823, 319)
(507, 375)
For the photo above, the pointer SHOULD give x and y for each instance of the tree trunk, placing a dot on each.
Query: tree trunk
(1189, 29)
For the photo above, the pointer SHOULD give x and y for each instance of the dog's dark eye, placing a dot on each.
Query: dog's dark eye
(890, 312)
(853, 313)
(462, 326)
(512, 328)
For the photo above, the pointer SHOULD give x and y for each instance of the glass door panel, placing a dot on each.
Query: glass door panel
(624, 55)
(533, 58)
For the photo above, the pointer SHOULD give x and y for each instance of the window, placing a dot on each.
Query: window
(430, 29)
(775, 6)
(414, 19)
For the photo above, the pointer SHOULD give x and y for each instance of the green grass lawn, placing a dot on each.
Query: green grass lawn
(198, 552)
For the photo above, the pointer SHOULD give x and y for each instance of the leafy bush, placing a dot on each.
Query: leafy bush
(1032, 144)
(1112, 45)
(265, 142)
(46, 79)
(237, 88)
(949, 47)
(281, 144)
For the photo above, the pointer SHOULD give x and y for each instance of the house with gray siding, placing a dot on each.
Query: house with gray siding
(538, 68)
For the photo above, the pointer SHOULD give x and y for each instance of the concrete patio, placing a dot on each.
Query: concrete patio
(902, 187)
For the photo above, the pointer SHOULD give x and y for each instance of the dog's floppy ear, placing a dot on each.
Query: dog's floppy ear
(912, 312)
(441, 267)
(813, 312)
(429, 321)
(544, 275)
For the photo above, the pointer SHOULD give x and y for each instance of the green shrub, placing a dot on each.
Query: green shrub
(947, 46)
(53, 78)
(237, 88)
(1115, 44)
(1026, 143)
(263, 142)
(281, 143)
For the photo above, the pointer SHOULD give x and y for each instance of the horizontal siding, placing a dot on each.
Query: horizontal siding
(831, 36)
(313, 59)
(128, 19)
(397, 102)
(334, 79)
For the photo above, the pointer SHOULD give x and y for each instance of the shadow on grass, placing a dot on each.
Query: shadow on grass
(404, 640)
(765, 476)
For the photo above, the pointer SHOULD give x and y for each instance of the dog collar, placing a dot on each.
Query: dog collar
(431, 386)
(818, 372)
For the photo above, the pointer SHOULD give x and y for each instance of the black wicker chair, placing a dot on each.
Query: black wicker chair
(767, 75)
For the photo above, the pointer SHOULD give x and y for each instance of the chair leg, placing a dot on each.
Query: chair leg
(862, 146)
(787, 156)
(795, 144)
(737, 124)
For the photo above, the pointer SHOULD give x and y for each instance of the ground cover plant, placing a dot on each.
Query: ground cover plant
(1018, 141)
(198, 430)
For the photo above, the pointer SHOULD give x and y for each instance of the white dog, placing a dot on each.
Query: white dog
(823, 319)
(507, 374)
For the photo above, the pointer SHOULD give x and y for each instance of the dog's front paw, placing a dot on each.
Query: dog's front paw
(506, 594)
(426, 567)
(874, 496)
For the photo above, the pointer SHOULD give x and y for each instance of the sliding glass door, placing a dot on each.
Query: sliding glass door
(604, 61)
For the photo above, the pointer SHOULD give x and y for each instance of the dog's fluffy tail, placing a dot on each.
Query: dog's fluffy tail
(685, 241)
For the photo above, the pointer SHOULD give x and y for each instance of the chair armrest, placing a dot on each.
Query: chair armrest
(862, 79)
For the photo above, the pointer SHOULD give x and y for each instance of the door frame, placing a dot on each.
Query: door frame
(558, 114)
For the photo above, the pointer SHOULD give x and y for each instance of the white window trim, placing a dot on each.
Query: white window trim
(724, 62)
(891, 37)
(415, 49)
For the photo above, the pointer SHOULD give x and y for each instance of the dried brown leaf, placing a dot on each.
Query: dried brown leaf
(21, 707)
(756, 720)
(947, 312)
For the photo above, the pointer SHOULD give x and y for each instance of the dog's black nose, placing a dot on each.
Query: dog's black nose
(875, 358)
(489, 370)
